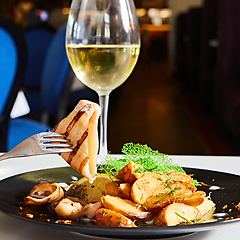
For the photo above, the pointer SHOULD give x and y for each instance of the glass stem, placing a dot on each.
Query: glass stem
(103, 148)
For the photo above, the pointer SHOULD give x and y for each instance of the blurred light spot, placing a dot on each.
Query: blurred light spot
(65, 11)
(43, 15)
(141, 12)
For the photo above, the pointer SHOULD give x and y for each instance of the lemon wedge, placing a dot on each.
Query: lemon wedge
(89, 192)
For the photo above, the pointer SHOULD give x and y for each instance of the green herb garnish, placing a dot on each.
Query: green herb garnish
(119, 220)
(196, 220)
(104, 212)
(151, 161)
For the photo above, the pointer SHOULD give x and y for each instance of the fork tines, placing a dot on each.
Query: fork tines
(51, 134)
(56, 141)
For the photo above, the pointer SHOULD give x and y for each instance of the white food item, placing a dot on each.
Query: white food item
(206, 206)
(44, 193)
(67, 208)
(80, 127)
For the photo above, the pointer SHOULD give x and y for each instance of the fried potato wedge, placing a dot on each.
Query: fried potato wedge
(177, 213)
(145, 186)
(127, 173)
(195, 199)
(109, 218)
(138, 175)
(165, 194)
(118, 189)
(112, 189)
(180, 177)
(126, 207)
(152, 184)
(125, 190)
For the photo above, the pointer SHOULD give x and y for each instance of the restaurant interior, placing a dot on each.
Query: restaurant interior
(183, 96)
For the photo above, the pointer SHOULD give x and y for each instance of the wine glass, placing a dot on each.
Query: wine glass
(103, 45)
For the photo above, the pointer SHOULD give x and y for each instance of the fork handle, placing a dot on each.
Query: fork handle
(15, 155)
(24, 149)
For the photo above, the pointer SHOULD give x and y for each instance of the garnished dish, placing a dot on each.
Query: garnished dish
(223, 188)
(143, 188)
(120, 197)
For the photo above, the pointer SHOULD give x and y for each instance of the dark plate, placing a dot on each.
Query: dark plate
(14, 189)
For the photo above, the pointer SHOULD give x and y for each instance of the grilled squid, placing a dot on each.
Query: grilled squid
(71, 209)
(89, 210)
(80, 127)
(68, 208)
(44, 193)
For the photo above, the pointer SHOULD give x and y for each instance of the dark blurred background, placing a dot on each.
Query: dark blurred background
(183, 96)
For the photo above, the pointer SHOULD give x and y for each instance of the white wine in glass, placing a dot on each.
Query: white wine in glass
(103, 45)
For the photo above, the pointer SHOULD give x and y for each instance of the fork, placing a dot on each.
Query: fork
(39, 144)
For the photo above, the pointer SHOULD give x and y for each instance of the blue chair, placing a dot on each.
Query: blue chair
(56, 79)
(38, 40)
(54, 99)
(12, 64)
(55, 82)
(12, 68)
